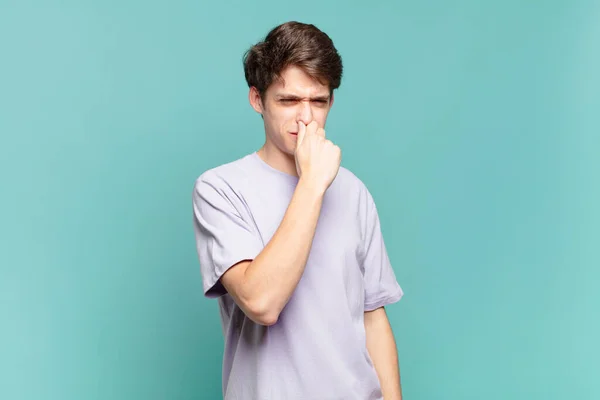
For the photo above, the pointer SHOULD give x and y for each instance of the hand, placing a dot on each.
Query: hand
(317, 159)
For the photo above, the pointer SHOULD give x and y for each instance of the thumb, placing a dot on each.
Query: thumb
(301, 133)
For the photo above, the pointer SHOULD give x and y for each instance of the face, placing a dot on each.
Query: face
(297, 97)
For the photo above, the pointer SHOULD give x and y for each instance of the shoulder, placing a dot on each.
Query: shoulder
(354, 192)
(219, 190)
(350, 184)
(225, 177)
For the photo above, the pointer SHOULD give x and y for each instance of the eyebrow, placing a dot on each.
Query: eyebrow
(287, 96)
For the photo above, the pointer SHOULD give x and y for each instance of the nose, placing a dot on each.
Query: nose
(305, 112)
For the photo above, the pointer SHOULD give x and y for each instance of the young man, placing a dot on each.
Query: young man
(290, 243)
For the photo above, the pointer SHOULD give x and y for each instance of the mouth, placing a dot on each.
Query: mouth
(294, 133)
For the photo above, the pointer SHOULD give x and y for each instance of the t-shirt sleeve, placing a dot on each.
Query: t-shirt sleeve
(381, 286)
(223, 236)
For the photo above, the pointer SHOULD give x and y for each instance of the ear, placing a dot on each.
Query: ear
(255, 100)
(331, 100)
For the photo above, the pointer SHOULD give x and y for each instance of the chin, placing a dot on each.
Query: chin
(287, 146)
(283, 144)
(288, 150)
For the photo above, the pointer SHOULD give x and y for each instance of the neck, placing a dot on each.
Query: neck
(277, 159)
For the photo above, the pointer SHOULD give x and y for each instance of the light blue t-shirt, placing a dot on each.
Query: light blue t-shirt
(317, 349)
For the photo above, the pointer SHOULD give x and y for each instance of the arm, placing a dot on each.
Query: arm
(382, 349)
(262, 287)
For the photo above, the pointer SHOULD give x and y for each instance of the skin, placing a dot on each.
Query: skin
(381, 346)
(296, 98)
(294, 111)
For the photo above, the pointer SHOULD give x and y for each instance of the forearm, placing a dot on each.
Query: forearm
(382, 349)
(274, 274)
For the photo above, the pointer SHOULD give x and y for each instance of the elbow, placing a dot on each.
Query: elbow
(258, 306)
(266, 320)
(262, 313)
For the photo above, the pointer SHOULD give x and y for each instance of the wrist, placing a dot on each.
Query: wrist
(311, 187)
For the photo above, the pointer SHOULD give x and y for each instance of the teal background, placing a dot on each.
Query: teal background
(475, 124)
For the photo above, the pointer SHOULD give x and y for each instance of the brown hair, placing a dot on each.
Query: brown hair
(293, 43)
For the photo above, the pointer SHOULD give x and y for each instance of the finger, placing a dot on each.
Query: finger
(301, 133)
(312, 128)
(321, 132)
